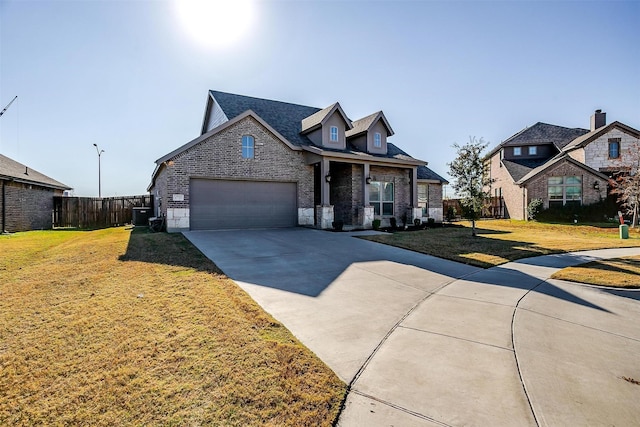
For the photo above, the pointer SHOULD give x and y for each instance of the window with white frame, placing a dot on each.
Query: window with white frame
(381, 198)
(423, 198)
(248, 147)
(563, 190)
(517, 151)
(377, 140)
(333, 133)
(533, 150)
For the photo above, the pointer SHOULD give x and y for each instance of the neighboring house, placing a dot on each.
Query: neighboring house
(559, 165)
(26, 199)
(264, 163)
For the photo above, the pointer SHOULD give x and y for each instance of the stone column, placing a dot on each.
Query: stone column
(324, 217)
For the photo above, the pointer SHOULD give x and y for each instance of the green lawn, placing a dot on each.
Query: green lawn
(113, 327)
(500, 241)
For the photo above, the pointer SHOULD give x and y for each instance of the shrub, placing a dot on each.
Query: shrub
(597, 212)
(534, 208)
(393, 222)
(431, 222)
(376, 224)
(417, 222)
(337, 225)
(451, 213)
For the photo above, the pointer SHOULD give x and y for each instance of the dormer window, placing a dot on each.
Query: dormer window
(533, 150)
(377, 140)
(517, 151)
(333, 134)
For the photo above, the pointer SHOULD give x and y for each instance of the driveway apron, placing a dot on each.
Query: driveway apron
(424, 341)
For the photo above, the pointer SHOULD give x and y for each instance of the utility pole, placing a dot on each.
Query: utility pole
(99, 151)
(8, 105)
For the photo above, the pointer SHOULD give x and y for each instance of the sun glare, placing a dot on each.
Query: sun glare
(216, 23)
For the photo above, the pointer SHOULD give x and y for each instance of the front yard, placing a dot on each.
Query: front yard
(114, 327)
(501, 241)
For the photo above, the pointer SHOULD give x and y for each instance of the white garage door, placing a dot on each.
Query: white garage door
(220, 204)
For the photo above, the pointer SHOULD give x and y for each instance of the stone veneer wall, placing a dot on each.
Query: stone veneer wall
(28, 207)
(596, 153)
(537, 188)
(220, 157)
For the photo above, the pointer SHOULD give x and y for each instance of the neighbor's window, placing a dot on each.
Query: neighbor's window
(423, 198)
(333, 134)
(381, 198)
(377, 140)
(517, 151)
(248, 144)
(533, 150)
(563, 190)
(614, 148)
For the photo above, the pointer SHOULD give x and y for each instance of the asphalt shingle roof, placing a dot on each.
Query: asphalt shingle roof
(545, 133)
(518, 169)
(426, 173)
(11, 169)
(284, 117)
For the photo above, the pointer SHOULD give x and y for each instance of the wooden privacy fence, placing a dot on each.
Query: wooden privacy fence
(94, 212)
(493, 208)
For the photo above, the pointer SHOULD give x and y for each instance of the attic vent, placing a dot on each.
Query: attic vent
(26, 170)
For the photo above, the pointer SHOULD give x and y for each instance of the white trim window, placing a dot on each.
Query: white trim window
(564, 190)
(333, 133)
(517, 151)
(248, 147)
(533, 150)
(614, 148)
(381, 198)
(377, 140)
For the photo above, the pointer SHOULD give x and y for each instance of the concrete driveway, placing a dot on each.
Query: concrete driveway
(428, 342)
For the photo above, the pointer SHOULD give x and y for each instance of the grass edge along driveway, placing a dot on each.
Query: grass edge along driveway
(114, 327)
(501, 241)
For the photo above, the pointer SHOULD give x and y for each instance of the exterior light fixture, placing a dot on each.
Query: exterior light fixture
(99, 151)
(328, 177)
(368, 180)
(596, 185)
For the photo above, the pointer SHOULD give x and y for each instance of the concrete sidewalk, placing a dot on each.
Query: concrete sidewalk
(426, 342)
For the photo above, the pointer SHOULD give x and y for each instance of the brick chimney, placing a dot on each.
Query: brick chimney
(598, 120)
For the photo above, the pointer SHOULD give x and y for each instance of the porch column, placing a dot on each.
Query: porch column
(365, 186)
(414, 187)
(324, 185)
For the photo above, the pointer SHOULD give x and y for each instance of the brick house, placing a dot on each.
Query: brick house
(263, 163)
(560, 165)
(26, 201)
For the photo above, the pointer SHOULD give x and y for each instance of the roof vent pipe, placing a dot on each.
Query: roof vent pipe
(598, 120)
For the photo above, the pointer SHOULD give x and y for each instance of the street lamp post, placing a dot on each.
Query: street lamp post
(99, 151)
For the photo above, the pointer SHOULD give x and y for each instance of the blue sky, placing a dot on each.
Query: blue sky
(127, 76)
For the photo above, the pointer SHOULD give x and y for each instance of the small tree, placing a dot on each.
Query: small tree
(470, 178)
(627, 185)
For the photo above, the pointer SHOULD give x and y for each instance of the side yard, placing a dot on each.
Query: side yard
(501, 241)
(114, 327)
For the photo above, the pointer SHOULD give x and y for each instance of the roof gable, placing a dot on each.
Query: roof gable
(364, 124)
(560, 158)
(16, 171)
(319, 118)
(585, 139)
(283, 117)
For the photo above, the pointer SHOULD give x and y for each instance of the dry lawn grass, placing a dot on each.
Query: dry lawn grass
(501, 241)
(110, 327)
(617, 272)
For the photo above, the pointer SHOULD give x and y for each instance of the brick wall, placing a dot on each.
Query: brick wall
(402, 186)
(537, 188)
(346, 193)
(220, 156)
(512, 194)
(28, 207)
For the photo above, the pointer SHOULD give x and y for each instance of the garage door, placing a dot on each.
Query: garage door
(219, 204)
